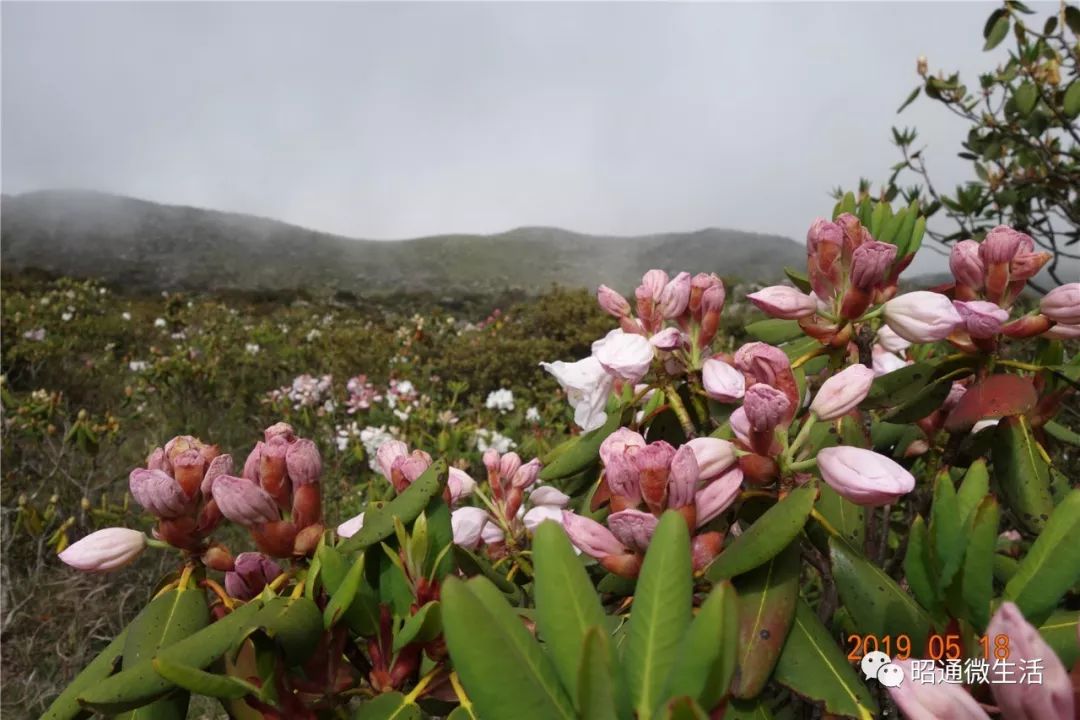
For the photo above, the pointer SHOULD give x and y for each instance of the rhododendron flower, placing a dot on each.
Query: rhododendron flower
(1062, 304)
(351, 526)
(1053, 697)
(922, 316)
(886, 362)
(863, 476)
(105, 550)
(467, 524)
(718, 495)
(782, 301)
(765, 407)
(587, 385)
(252, 571)
(722, 382)
(980, 318)
(967, 265)
(870, 264)
(920, 699)
(843, 392)
(626, 356)
(612, 303)
(244, 502)
(889, 340)
(714, 456)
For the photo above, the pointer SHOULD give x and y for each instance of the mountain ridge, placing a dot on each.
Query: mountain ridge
(153, 246)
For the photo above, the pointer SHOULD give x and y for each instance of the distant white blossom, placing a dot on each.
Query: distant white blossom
(313, 335)
(501, 400)
(160, 323)
(36, 335)
(532, 415)
(138, 365)
(252, 348)
(372, 438)
(486, 439)
(125, 315)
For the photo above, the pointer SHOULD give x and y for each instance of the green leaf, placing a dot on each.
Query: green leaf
(683, 708)
(769, 534)
(977, 581)
(997, 33)
(566, 603)
(295, 624)
(661, 613)
(910, 99)
(1059, 631)
(755, 709)
(222, 687)
(472, 564)
(709, 651)
(898, 387)
(487, 640)
(774, 331)
(1072, 18)
(440, 538)
(1071, 103)
(973, 488)
(66, 705)
(918, 570)
(583, 453)
(140, 684)
(168, 618)
(814, 666)
(1051, 566)
(388, 706)
(379, 525)
(1022, 473)
(946, 531)
(846, 517)
(798, 279)
(1059, 432)
(878, 606)
(344, 592)
(1025, 96)
(596, 692)
(767, 600)
(423, 626)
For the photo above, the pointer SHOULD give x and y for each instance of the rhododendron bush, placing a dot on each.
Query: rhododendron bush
(724, 522)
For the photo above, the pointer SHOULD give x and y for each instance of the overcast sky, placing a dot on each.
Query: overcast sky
(398, 120)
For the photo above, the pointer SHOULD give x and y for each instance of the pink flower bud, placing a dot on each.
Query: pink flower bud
(612, 303)
(712, 299)
(717, 496)
(624, 355)
(351, 526)
(492, 462)
(714, 456)
(303, 462)
(782, 301)
(886, 362)
(281, 429)
(492, 534)
(413, 465)
(1000, 245)
(667, 339)
(633, 528)
(740, 425)
(841, 393)
(1026, 265)
(920, 699)
(532, 519)
(1062, 332)
(722, 382)
(683, 477)
(618, 442)
(547, 495)
(825, 232)
(467, 524)
(675, 296)
(981, 319)
(244, 502)
(1053, 697)
(159, 461)
(591, 537)
(252, 571)
(698, 286)
(189, 467)
(158, 493)
(461, 485)
(870, 264)
(509, 464)
(762, 362)
(105, 550)
(388, 453)
(966, 264)
(621, 474)
(653, 464)
(251, 464)
(526, 475)
(1062, 304)
(889, 340)
(922, 316)
(863, 476)
(221, 465)
(654, 281)
(765, 406)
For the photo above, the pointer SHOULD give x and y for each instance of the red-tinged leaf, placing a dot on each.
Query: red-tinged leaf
(994, 397)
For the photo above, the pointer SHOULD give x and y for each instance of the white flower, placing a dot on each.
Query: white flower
(125, 315)
(467, 524)
(160, 323)
(372, 438)
(252, 348)
(501, 400)
(138, 365)
(313, 334)
(887, 362)
(888, 339)
(488, 439)
(587, 387)
(401, 415)
(66, 316)
(625, 355)
(351, 526)
(532, 415)
(36, 335)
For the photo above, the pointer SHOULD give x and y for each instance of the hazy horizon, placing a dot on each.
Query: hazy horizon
(391, 121)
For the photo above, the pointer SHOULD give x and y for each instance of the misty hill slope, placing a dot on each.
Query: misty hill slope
(150, 246)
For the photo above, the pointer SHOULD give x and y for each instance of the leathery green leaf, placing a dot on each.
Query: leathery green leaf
(1059, 632)
(388, 706)
(223, 687)
(977, 581)
(1051, 566)
(66, 705)
(767, 600)
(947, 536)
(1022, 473)
(379, 526)
(661, 612)
(769, 534)
(815, 667)
(918, 570)
(344, 592)
(422, 626)
(486, 639)
(596, 694)
(708, 653)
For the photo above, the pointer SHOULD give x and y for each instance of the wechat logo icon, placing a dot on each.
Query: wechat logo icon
(877, 665)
